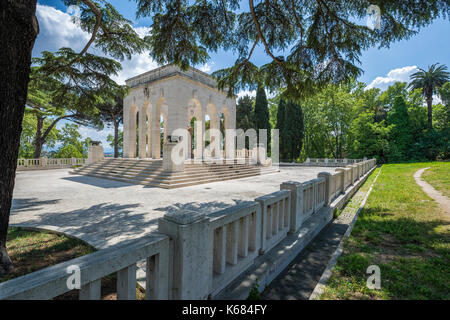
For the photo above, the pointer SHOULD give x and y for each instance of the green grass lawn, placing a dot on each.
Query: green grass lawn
(439, 177)
(405, 233)
(34, 250)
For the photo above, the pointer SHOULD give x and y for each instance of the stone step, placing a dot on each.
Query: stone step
(161, 172)
(178, 185)
(151, 173)
(179, 177)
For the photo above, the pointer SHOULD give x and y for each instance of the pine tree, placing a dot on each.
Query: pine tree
(262, 115)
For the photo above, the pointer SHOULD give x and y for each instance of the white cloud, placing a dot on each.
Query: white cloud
(246, 92)
(57, 29)
(395, 75)
(206, 67)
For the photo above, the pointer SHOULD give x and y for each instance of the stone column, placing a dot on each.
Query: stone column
(155, 129)
(327, 177)
(142, 132)
(342, 179)
(172, 162)
(95, 153)
(192, 254)
(126, 128)
(297, 214)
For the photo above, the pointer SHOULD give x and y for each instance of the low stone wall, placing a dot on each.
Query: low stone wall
(324, 162)
(221, 254)
(45, 163)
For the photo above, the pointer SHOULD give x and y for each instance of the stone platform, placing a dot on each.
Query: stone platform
(151, 172)
(104, 212)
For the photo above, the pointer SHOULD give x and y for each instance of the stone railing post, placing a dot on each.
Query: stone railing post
(297, 215)
(342, 179)
(327, 177)
(191, 274)
(43, 162)
(352, 173)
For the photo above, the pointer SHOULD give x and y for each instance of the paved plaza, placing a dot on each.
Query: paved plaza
(104, 212)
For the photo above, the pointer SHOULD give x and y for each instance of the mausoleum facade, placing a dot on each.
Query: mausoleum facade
(168, 98)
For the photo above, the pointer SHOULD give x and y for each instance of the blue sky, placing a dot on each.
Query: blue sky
(381, 67)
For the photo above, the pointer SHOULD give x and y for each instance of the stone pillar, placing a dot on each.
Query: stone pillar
(327, 177)
(172, 160)
(261, 155)
(44, 161)
(95, 152)
(297, 214)
(230, 148)
(155, 128)
(192, 254)
(142, 132)
(342, 179)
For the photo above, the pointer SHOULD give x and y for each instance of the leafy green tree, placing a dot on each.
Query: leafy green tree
(368, 138)
(441, 117)
(400, 138)
(245, 113)
(429, 81)
(328, 116)
(71, 141)
(111, 113)
(116, 142)
(28, 136)
(262, 116)
(444, 92)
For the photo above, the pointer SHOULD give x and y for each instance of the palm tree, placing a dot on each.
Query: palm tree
(429, 81)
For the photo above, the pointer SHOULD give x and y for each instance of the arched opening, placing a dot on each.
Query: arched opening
(207, 132)
(222, 130)
(162, 127)
(192, 129)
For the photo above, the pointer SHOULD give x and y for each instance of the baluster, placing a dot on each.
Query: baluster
(253, 232)
(281, 210)
(275, 214)
(219, 250)
(91, 290)
(269, 222)
(126, 283)
(243, 236)
(232, 241)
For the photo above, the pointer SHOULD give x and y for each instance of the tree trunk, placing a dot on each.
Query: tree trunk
(20, 26)
(430, 112)
(116, 139)
(38, 137)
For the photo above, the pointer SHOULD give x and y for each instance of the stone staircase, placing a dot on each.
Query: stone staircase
(151, 173)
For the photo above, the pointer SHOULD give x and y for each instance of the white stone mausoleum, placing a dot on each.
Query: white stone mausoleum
(168, 98)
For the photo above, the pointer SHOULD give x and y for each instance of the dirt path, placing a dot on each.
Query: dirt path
(443, 201)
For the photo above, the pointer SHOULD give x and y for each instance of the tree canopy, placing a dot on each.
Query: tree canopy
(308, 43)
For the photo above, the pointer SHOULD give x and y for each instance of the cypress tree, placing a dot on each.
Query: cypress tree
(262, 115)
(281, 126)
(294, 130)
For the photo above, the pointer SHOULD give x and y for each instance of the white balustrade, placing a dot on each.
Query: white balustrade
(52, 281)
(276, 211)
